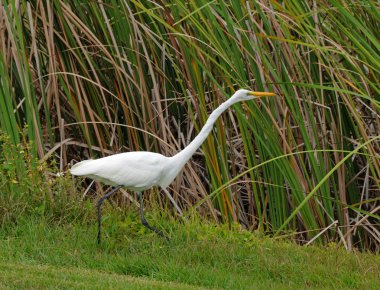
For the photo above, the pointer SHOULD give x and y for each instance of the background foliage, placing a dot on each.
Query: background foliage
(100, 77)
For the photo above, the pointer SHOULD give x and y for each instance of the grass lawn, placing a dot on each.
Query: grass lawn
(41, 253)
(44, 276)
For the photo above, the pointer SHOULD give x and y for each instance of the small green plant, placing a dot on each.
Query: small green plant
(29, 186)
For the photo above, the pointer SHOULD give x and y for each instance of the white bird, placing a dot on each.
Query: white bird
(140, 170)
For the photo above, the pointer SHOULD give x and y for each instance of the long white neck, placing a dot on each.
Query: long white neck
(180, 159)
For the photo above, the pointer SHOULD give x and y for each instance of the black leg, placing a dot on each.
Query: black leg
(103, 198)
(144, 221)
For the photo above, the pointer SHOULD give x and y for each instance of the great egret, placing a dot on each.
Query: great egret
(141, 170)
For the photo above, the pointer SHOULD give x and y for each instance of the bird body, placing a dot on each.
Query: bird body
(141, 170)
(136, 171)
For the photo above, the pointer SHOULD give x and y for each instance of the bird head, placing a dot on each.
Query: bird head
(245, 95)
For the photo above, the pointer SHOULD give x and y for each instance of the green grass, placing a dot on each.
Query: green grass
(30, 276)
(40, 252)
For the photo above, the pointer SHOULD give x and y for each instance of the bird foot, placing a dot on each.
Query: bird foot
(153, 229)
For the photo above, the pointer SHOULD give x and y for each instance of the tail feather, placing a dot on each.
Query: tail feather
(82, 168)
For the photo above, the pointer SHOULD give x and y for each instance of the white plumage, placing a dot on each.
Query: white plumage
(141, 170)
(136, 171)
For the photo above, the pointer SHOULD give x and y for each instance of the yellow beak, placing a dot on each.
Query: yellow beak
(261, 94)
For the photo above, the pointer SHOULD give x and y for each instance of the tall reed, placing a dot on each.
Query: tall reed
(95, 78)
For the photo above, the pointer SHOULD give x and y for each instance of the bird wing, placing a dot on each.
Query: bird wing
(134, 170)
